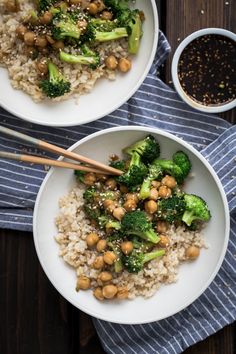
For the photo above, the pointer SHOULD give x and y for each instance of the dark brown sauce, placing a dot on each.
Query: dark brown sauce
(207, 70)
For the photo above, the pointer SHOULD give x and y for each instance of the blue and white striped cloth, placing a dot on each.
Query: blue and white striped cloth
(156, 105)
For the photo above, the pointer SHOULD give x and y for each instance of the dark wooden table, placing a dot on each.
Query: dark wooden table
(34, 317)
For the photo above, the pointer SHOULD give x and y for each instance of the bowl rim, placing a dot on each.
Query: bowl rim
(174, 70)
(115, 107)
(213, 174)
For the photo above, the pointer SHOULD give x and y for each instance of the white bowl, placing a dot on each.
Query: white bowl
(175, 77)
(194, 277)
(105, 97)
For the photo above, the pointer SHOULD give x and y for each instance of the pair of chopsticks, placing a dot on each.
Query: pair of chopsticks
(91, 165)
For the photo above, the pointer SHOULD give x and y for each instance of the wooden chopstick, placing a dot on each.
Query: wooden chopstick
(58, 150)
(43, 161)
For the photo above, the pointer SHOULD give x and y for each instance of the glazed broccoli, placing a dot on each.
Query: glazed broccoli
(135, 174)
(92, 211)
(169, 167)
(64, 26)
(137, 223)
(181, 159)
(119, 164)
(88, 57)
(56, 85)
(171, 209)
(196, 209)
(134, 262)
(93, 195)
(44, 5)
(103, 25)
(93, 34)
(130, 19)
(109, 224)
(141, 245)
(148, 149)
(154, 172)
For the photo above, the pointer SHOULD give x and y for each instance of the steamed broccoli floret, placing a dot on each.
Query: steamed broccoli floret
(135, 173)
(137, 223)
(181, 159)
(119, 164)
(154, 173)
(171, 209)
(64, 26)
(130, 19)
(148, 149)
(92, 211)
(88, 57)
(44, 5)
(92, 34)
(117, 5)
(169, 167)
(103, 25)
(134, 262)
(56, 85)
(109, 224)
(92, 194)
(196, 209)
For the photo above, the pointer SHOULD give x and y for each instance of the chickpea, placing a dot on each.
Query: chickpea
(161, 226)
(106, 15)
(58, 45)
(132, 196)
(156, 184)
(110, 205)
(109, 257)
(100, 5)
(83, 283)
(89, 179)
(169, 181)
(127, 247)
(93, 9)
(192, 252)
(41, 41)
(92, 239)
(153, 194)
(123, 189)
(111, 62)
(150, 206)
(164, 192)
(124, 65)
(46, 18)
(101, 177)
(130, 205)
(98, 263)
(42, 66)
(118, 213)
(29, 38)
(111, 183)
(109, 291)
(164, 241)
(98, 294)
(122, 293)
(105, 277)
(101, 245)
(20, 31)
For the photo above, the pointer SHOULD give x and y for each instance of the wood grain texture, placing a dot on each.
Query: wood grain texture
(35, 319)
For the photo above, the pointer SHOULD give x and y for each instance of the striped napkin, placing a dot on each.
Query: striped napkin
(157, 105)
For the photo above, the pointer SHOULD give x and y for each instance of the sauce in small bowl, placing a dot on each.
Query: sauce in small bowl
(204, 70)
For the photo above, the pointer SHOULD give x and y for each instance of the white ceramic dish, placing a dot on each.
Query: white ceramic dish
(174, 70)
(104, 98)
(194, 277)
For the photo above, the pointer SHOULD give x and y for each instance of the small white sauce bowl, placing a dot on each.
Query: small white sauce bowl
(174, 71)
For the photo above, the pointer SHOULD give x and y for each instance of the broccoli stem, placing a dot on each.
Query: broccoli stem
(152, 255)
(148, 235)
(117, 33)
(77, 59)
(188, 217)
(134, 37)
(145, 188)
